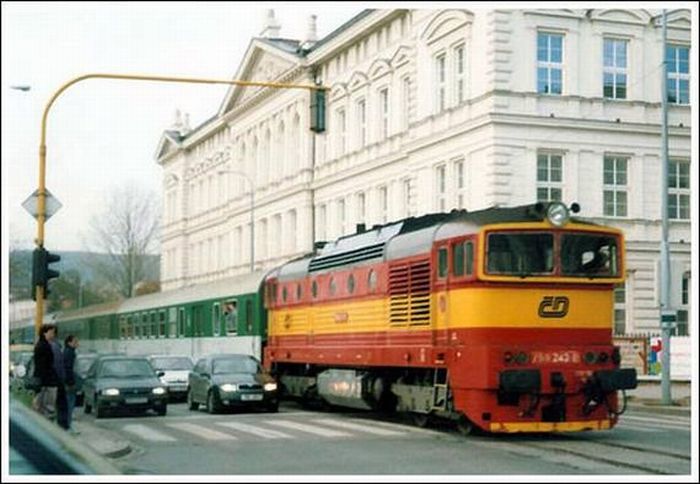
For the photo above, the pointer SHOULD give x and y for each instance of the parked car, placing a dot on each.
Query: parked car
(83, 361)
(116, 383)
(231, 380)
(175, 370)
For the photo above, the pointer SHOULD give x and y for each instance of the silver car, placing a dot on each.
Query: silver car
(172, 371)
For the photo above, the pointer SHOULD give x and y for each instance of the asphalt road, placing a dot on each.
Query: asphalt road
(302, 442)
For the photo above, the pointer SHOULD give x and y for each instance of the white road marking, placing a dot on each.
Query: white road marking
(357, 426)
(255, 430)
(312, 429)
(200, 431)
(147, 433)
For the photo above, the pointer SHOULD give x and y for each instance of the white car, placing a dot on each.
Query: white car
(172, 371)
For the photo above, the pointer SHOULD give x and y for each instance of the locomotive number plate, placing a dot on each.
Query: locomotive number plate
(556, 357)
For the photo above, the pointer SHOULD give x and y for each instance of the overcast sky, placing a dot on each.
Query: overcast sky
(103, 133)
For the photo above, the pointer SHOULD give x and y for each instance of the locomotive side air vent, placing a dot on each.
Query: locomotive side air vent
(409, 293)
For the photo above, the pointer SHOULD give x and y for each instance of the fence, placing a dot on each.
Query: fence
(643, 352)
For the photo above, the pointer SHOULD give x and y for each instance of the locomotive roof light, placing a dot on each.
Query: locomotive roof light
(558, 214)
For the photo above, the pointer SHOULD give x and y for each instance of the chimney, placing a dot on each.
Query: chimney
(271, 27)
(186, 125)
(311, 37)
(177, 123)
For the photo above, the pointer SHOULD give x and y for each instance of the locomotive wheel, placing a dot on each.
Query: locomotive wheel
(465, 426)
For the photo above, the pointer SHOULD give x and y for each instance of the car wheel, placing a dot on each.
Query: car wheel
(212, 403)
(465, 426)
(100, 412)
(190, 401)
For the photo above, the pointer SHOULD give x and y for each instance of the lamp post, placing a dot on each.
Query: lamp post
(42, 192)
(252, 213)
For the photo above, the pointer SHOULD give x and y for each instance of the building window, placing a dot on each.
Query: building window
(681, 323)
(678, 190)
(384, 112)
(406, 100)
(361, 214)
(549, 63)
(615, 69)
(440, 191)
(440, 85)
(619, 309)
(407, 197)
(460, 83)
(549, 177)
(341, 216)
(362, 122)
(678, 71)
(685, 284)
(341, 131)
(460, 183)
(615, 186)
(384, 204)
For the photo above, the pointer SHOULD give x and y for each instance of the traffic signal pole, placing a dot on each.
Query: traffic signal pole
(41, 199)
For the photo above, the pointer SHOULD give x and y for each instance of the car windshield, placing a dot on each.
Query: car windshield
(170, 363)
(235, 365)
(520, 254)
(589, 255)
(126, 368)
(82, 364)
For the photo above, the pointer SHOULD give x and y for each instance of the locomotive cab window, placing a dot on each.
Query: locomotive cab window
(520, 254)
(462, 258)
(442, 262)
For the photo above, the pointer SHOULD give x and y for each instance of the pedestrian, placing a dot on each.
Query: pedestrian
(61, 406)
(45, 400)
(70, 346)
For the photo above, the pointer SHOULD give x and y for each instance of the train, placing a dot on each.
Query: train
(499, 320)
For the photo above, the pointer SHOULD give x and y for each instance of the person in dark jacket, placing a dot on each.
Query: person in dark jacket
(71, 344)
(45, 400)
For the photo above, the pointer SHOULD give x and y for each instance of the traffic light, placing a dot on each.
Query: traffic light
(41, 272)
(318, 110)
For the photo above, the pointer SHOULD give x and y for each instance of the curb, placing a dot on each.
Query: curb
(104, 442)
(658, 408)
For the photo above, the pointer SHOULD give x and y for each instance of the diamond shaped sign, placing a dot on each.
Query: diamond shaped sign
(31, 204)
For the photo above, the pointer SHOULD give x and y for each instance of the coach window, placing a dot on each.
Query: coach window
(161, 321)
(172, 322)
(181, 322)
(144, 324)
(231, 316)
(442, 262)
(372, 280)
(351, 284)
(122, 328)
(216, 318)
(130, 328)
(249, 316)
(154, 325)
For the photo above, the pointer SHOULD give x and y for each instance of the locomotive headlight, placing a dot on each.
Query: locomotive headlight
(558, 214)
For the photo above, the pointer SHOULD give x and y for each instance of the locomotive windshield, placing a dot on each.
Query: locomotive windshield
(589, 255)
(520, 253)
(539, 254)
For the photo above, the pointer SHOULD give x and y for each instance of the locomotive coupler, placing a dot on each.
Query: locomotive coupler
(604, 382)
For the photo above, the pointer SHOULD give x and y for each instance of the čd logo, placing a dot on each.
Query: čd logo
(554, 307)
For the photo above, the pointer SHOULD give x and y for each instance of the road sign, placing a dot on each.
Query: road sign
(31, 204)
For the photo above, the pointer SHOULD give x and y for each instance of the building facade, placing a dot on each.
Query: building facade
(430, 110)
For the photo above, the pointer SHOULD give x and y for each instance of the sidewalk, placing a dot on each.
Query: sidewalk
(103, 442)
(647, 396)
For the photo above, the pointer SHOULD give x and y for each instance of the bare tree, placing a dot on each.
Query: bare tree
(127, 231)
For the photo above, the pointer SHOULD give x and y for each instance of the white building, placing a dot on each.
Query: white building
(429, 110)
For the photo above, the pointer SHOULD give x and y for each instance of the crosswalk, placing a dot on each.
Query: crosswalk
(269, 429)
(654, 423)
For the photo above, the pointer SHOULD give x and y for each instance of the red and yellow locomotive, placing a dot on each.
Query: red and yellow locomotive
(499, 319)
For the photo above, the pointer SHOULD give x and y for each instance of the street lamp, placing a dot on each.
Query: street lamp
(42, 193)
(252, 213)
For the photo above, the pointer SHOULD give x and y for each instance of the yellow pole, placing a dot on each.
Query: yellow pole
(41, 216)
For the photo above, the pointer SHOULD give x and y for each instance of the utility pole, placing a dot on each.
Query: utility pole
(667, 316)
